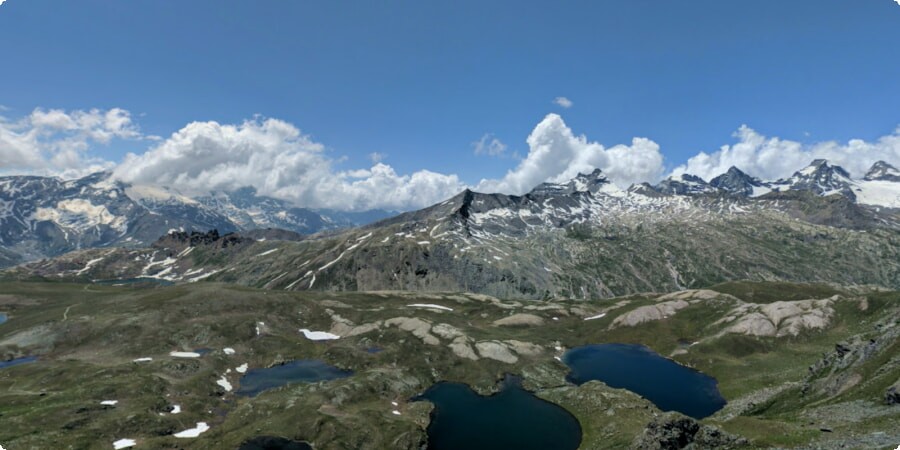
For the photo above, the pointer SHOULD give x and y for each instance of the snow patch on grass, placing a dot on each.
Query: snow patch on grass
(267, 252)
(184, 354)
(242, 368)
(121, 443)
(201, 428)
(430, 306)
(318, 335)
(89, 264)
(109, 402)
(224, 383)
(228, 350)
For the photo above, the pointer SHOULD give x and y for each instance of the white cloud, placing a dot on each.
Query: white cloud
(489, 145)
(56, 142)
(278, 160)
(563, 102)
(556, 154)
(773, 158)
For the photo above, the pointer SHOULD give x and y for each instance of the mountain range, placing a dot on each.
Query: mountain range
(580, 239)
(44, 217)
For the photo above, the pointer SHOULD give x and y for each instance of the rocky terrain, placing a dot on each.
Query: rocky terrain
(44, 217)
(144, 342)
(149, 365)
(583, 239)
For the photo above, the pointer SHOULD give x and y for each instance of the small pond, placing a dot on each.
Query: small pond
(273, 443)
(17, 361)
(510, 419)
(3, 317)
(669, 385)
(304, 370)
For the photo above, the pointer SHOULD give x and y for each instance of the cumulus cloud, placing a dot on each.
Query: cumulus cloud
(56, 142)
(555, 154)
(279, 161)
(489, 145)
(563, 102)
(772, 158)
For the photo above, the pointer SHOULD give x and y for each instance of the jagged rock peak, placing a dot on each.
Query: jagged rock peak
(583, 182)
(820, 168)
(883, 171)
(684, 184)
(735, 181)
(196, 238)
(820, 177)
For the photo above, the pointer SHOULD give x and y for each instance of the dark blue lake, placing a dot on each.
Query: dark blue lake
(16, 362)
(669, 385)
(510, 419)
(301, 371)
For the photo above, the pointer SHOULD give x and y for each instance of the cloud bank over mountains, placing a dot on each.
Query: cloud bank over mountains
(277, 159)
(772, 158)
(556, 154)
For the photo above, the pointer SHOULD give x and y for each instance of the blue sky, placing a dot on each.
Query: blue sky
(420, 82)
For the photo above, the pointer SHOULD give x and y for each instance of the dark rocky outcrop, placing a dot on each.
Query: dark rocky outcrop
(736, 182)
(181, 239)
(673, 431)
(892, 396)
(685, 185)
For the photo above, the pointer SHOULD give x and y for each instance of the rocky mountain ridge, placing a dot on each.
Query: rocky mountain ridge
(44, 217)
(582, 239)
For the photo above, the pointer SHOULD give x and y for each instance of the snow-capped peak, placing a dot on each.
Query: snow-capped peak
(736, 182)
(593, 182)
(820, 177)
(685, 184)
(881, 170)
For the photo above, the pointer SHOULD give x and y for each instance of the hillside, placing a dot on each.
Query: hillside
(813, 358)
(584, 239)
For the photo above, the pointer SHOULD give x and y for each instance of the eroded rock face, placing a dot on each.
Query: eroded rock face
(418, 327)
(519, 320)
(460, 347)
(496, 351)
(673, 431)
(447, 331)
(840, 369)
(780, 319)
(649, 313)
(524, 348)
